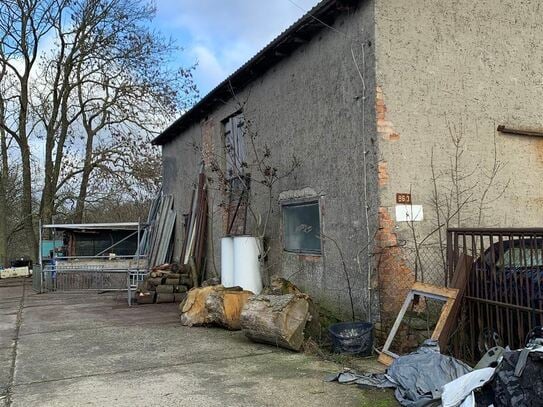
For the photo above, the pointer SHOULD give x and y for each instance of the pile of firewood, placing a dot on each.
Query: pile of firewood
(165, 283)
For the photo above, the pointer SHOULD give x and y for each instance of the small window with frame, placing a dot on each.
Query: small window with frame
(302, 227)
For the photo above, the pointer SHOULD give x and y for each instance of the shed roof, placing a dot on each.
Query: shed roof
(324, 13)
(94, 226)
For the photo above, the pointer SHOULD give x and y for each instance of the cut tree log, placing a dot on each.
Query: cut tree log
(214, 305)
(146, 298)
(164, 289)
(162, 298)
(276, 319)
(179, 289)
(185, 279)
(154, 281)
(171, 281)
(224, 307)
(282, 286)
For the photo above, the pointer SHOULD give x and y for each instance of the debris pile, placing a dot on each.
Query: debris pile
(502, 378)
(165, 283)
(418, 377)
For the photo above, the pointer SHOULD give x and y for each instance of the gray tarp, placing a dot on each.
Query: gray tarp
(417, 377)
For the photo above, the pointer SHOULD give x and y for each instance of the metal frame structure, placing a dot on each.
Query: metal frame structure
(64, 275)
(503, 299)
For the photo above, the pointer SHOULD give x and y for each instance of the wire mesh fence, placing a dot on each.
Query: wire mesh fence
(429, 264)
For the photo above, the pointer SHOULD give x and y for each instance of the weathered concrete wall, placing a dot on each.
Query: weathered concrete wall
(181, 162)
(311, 105)
(458, 69)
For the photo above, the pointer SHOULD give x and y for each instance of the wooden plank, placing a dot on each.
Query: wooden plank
(459, 281)
(385, 359)
(435, 290)
(445, 313)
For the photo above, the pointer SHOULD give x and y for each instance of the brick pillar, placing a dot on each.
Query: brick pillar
(395, 276)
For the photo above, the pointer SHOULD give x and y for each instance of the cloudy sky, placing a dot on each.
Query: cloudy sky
(220, 35)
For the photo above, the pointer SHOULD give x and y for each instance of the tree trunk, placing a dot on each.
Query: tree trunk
(53, 166)
(26, 204)
(87, 169)
(276, 319)
(47, 199)
(26, 201)
(214, 305)
(3, 200)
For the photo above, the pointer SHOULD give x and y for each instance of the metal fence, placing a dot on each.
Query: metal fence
(84, 278)
(36, 278)
(504, 295)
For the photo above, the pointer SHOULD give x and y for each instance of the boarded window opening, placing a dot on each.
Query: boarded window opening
(234, 143)
(302, 227)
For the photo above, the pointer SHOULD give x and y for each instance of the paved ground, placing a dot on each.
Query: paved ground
(92, 350)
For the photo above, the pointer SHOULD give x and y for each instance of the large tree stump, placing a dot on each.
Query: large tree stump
(214, 305)
(281, 286)
(276, 319)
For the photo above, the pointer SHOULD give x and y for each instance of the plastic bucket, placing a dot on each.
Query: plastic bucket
(355, 338)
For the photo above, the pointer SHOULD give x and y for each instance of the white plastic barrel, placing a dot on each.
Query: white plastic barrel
(227, 261)
(246, 263)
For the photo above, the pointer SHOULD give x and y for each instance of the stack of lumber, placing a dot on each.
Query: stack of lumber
(160, 233)
(165, 283)
(193, 251)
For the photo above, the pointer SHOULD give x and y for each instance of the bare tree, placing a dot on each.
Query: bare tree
(94, 100)
(118, 91)
(461, 194)
(23, 25)
(4, 174)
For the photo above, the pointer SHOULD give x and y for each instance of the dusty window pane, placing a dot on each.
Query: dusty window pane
(301, 224)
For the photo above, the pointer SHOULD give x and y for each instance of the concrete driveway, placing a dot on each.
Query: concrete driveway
(92, 350)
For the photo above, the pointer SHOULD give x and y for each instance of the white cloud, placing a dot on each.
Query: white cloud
(223, 35)
(208, 65)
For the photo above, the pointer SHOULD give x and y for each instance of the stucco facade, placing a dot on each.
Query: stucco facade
(459, 69)
(370, 106)
(309, 105)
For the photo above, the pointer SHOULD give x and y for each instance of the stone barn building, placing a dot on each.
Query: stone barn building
(377, 121)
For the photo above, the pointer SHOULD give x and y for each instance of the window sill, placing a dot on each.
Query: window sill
(304, 254)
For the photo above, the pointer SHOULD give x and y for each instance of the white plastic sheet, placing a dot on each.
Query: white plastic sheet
(459, 392)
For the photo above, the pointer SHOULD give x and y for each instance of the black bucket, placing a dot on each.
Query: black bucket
(355, 338)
